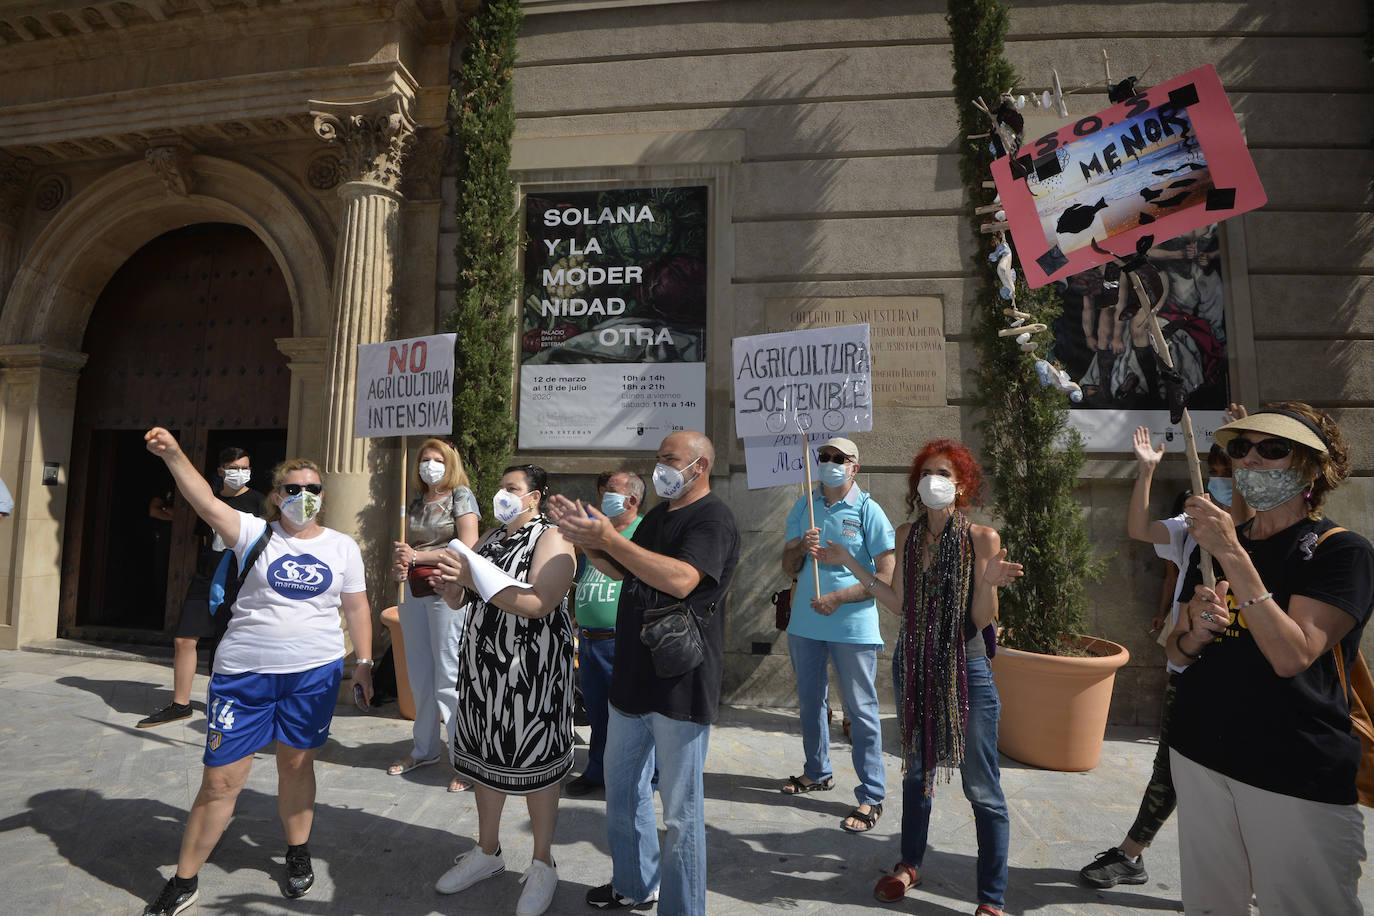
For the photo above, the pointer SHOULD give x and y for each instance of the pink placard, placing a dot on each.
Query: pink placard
(1166, 161)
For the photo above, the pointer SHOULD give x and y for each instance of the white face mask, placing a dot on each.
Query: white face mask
(302, 507)
(935, 491)
(505, 505)
(431, 472)
(237, 478)
(669, 482)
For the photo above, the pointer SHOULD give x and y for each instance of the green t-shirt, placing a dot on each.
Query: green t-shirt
(598, 594)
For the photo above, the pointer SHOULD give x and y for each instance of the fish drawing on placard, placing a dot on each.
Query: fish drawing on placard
(1172, 201)
(1079, 217)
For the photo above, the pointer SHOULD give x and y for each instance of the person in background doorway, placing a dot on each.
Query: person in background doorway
(598, 595)
(1173, 540)
(443, 510)
(196, 622)
(6, 501)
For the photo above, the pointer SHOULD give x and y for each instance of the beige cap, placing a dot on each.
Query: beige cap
(843, 446)
(1283, 423)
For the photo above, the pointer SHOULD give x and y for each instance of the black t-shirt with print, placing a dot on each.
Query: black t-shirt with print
(703, 534)
(1233, 714)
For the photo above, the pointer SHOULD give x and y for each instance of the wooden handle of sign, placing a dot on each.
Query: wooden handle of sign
(1161, 347)
(401, 586)
(810, 508)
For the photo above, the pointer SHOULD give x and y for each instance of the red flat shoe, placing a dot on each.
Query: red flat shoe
(893, 887)
(987, 909)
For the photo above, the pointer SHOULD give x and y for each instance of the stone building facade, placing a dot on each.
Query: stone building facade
(825, 134)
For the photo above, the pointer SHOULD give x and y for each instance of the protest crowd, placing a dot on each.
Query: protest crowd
(1265, 790)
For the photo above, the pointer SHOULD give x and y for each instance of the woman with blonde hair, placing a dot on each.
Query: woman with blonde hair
(442, 510)
(277, 670)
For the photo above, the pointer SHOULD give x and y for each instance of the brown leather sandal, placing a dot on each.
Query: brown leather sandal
(893, 887)
(869, 820)
(795, 786)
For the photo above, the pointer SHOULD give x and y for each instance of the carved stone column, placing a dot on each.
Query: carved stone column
(374, 138)
(307, 358)
(38, 400)
(16, 174)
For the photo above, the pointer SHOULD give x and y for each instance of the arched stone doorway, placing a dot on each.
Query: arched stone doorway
(182, 336)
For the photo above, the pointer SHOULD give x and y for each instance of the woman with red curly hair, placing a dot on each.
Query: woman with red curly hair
(945, 590)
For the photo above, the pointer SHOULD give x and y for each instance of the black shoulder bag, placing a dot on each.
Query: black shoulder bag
(673, 636)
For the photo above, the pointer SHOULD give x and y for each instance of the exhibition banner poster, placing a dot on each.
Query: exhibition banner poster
(405, 387)
(613, 317)
(1158, 165)
(803, 381)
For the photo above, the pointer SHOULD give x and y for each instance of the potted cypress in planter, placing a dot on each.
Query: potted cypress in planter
(1055, 684)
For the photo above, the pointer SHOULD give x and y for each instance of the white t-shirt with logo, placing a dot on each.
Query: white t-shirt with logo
(286, 617)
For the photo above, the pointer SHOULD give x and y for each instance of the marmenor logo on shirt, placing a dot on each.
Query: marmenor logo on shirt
(300, 577)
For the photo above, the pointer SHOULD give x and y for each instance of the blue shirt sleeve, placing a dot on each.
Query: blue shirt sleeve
(879, 535)
(6, 501)
(796, 520)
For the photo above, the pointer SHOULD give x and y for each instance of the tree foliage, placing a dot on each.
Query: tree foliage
(484, 317)
(1029, 450)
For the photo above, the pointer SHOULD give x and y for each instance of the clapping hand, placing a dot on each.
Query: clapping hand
(582, 525)
(1000, 572)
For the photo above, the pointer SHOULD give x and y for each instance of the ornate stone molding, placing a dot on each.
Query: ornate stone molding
(374, 136)
(37, 375)
(16, 175)
(425, 165)
(172, 163)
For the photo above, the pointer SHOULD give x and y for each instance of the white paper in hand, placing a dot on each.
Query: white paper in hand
(486, 575)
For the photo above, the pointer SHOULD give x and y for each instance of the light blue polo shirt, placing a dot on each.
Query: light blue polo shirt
(859, 523)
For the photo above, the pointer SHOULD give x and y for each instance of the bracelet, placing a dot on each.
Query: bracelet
(1178, 644)
(871, 582)
(1245, 604)
(362, 661)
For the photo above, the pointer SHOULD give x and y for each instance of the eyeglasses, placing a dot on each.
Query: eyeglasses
(294, 489)
(833, 457)
(1272, 449)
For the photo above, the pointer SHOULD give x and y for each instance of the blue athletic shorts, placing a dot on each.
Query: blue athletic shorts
(250, 711)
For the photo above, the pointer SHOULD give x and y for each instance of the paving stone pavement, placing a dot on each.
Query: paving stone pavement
(92, 810)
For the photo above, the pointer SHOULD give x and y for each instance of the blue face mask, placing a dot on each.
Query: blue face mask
(1221, 489)
(833, 475)
(612, 504)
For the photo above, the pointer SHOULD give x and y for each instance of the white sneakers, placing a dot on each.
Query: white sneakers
(540, 880)
(471, 867)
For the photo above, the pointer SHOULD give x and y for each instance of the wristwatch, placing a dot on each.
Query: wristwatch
(362, 661)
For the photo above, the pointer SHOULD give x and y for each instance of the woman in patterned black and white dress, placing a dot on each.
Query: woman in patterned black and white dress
(512, 734)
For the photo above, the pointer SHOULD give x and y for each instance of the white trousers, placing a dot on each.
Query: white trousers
(1296, 857)
(433, 634)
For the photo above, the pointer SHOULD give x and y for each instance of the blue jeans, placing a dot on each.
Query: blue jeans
(594, 660)
(433, 633)
(857, 666)
(632, 743)
(982, 787)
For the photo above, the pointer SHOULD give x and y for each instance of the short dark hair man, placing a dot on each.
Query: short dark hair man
(235, 470)
(598, 596)
(686, 549)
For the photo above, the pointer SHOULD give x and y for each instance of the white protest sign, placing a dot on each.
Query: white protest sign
(405, 387)
(771, 461)
(803, 381)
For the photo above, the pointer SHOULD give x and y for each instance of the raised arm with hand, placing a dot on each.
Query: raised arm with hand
(196, 490)
(1138, 523)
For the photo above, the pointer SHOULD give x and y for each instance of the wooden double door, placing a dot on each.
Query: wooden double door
(183, 336)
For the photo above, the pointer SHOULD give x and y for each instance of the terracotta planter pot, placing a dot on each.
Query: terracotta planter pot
(1054, 708)
(405, 700)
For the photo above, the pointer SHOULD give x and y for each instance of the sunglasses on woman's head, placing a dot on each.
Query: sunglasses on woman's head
(294, 489)
(833, 457)
(1271, 449)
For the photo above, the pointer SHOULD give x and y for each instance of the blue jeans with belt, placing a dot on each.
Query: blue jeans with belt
(982, 781)
(594, 660)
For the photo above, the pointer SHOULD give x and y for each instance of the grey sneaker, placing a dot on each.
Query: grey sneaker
(172, 900)
(1111, 868)
(172, 712)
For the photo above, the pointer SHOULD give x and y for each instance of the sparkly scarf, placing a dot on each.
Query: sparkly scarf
(932, 671)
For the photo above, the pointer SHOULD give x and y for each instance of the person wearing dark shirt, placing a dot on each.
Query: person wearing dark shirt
(196, 623)
(1261, 750)
(685, 549)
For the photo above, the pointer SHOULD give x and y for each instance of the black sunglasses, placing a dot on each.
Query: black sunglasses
(1271, 449)
(833, 457)
(294, 489)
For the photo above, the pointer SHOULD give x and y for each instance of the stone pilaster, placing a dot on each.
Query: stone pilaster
(374, 138)
(308, 360)
(16, 178)
(38, 400)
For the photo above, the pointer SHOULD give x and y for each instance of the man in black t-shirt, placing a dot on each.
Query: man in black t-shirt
(685, 549)
(235, 470)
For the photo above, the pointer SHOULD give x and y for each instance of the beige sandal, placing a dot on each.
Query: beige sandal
(406, 764)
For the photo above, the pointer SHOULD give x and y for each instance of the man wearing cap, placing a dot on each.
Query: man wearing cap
(839, 625)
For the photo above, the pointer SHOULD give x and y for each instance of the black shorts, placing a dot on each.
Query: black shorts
(196, 621)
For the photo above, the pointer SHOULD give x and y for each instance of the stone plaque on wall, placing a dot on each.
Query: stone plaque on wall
(906, 336)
